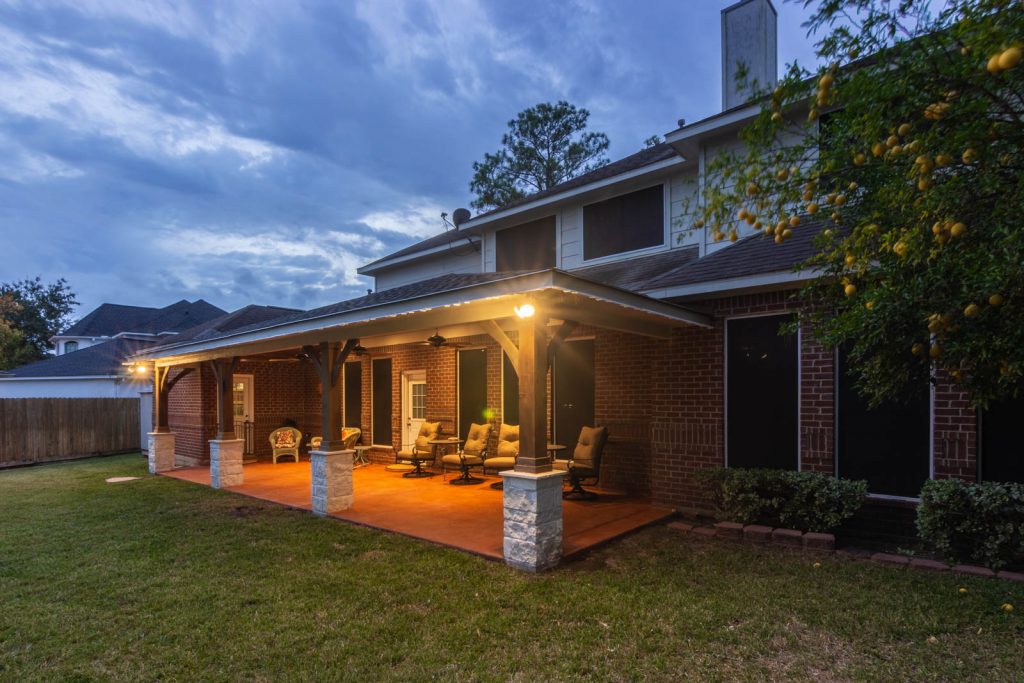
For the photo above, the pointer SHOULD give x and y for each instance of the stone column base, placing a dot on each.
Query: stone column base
(331, 481)
(533, 519)
(226, 462)
(161, 452)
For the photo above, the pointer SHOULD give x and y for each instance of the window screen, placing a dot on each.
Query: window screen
(625, 223)
(572, 389)
(526, 247)
(509, 392)
(888, 445)
(354, 394)
(382, 401)
(472, 389)
(1002, 451)
(761, 386)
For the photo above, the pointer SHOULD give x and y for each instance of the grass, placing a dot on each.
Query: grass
(158, 579)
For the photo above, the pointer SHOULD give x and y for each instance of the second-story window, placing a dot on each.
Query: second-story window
(70, 346)
(530, 246)
(624, 223)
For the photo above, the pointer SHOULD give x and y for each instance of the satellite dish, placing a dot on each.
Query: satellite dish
(460, 216)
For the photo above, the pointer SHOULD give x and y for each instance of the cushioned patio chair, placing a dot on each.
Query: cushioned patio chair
(285, 441)
(472, 454)
(585, 462)
(349, 436)
(419, 451)
(504, 457)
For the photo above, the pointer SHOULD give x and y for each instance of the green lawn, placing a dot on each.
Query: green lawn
(160, 579)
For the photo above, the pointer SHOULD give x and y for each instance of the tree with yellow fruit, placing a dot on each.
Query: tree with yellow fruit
(911, 133)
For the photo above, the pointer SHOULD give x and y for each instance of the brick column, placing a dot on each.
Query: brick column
(161, 452)
(533, 519)
(331, 481)
(225, 462)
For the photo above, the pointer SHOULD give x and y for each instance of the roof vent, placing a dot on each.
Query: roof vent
(460, 216)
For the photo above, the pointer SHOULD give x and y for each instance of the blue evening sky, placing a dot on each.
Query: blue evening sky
(260, 151)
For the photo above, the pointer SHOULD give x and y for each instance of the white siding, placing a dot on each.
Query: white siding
(441, 264)
(100, 387)
(684, 208)
(570, 242)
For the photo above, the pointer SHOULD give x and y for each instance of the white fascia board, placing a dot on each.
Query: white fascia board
(576, 192)
(713, 124)
(783, 277)
(57, 379)
(515, 285)
(371, 268)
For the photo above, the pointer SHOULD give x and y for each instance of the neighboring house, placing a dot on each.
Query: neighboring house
(656, 331)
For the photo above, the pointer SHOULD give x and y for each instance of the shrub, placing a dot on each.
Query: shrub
(982, 523)
(807, 501)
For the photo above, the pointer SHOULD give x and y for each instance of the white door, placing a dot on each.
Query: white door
(414, 404)
(241, 401)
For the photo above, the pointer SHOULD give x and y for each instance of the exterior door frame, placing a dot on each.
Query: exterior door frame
(411, 425)
(247, 380)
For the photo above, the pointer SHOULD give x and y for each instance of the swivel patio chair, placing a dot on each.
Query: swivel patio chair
(420, 451)
(585, 462)
(506, 452)
(472, 454)
(285, 441)
(349, 436)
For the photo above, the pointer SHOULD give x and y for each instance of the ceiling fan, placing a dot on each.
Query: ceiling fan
(437, 341)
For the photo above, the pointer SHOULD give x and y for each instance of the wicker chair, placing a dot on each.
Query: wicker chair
(472, 454)
(285, 441)
(585, 462)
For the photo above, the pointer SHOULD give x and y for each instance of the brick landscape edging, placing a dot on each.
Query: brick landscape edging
(755, 534)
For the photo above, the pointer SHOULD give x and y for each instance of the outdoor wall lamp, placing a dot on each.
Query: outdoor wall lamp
(525, 311)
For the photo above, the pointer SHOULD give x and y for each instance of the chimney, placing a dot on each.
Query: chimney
(748, 37)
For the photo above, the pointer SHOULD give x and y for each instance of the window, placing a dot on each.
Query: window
(70, 346)
(509, 391)
(472, 389)
(1002, 454)
(530, 246)
(761, 389)
(572, 390)
(625, 223)
(889, 445)
(382, 409)
(354, 394)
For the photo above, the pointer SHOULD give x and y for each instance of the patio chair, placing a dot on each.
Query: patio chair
(421, 450)
(506, 452)
(285, 441)
(472, 454)
(349, 436)
(585, 462)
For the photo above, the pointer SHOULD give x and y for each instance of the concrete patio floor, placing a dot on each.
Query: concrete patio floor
(469, 518)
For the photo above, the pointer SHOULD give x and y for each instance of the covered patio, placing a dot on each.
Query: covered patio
(524, 319)
(469, 518)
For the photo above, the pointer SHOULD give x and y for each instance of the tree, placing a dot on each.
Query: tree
(544, 146)
(31, 313)
(907, 149)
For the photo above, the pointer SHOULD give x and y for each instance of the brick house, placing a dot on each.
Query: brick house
(643, 324)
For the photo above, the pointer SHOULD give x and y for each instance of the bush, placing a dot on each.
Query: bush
(807, 501)
(982, 523)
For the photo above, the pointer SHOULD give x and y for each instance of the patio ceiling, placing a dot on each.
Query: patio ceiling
(459, 311)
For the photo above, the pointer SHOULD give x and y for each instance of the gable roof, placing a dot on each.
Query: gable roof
(100, 360)
(107, 320)
(753, 255)
(634, 274)
(246, 316)
(453, 239)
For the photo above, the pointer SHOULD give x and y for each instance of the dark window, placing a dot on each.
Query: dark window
(1002, 451)
(625, 223)
(761, 419)
(472, 389)
(887, 445)
(354, 394)
(509, 392)
(382, 401)
(70, 346)
(573, 390)
(526, 247)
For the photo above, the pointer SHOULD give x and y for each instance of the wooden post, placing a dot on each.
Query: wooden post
(328, 359)
(162, 385)
(533, 342)
(224, 372)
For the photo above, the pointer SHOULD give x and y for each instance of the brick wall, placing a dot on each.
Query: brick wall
(954, 433)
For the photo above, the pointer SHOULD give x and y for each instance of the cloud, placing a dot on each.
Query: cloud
(423, 220)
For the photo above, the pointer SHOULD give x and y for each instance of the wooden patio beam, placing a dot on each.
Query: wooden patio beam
(558, 338)
(328, 358)
(533, 342)
(224, 374)
(497, 334)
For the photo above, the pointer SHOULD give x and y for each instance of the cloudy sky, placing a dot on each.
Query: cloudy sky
(260, 151)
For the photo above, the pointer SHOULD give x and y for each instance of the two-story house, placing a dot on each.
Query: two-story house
(644, 324)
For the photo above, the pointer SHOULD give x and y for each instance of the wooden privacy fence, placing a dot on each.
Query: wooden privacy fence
(46, 429)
